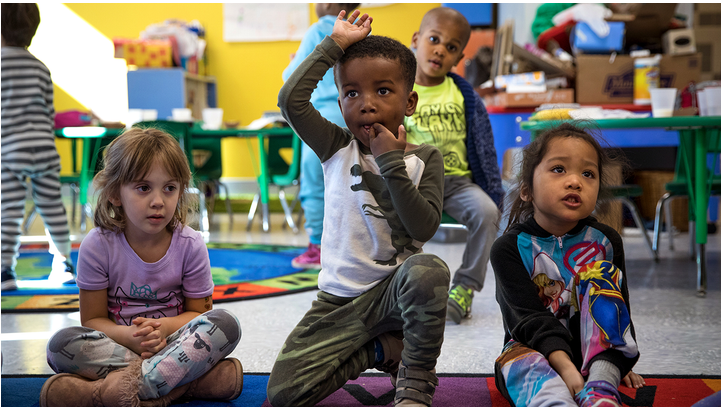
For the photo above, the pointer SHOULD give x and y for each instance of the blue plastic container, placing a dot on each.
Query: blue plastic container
(585, 41)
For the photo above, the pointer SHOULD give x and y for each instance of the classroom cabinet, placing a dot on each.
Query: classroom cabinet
(168, 89)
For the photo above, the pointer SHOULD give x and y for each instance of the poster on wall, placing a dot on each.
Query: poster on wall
(244, 22)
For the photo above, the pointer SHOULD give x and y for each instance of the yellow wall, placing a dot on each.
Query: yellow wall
(248, 75)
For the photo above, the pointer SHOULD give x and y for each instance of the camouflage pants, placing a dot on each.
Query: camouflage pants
(333, 343)
(192, 350)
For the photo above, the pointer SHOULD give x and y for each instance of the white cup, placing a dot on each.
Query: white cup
(182, 115)
(713, 101)
(663, 101)
(150, 114)
(212, 118)
(134, 116)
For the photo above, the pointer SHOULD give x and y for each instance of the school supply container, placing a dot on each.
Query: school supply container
(647, 76)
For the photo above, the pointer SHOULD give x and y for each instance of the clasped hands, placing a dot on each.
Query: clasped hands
(148, 338)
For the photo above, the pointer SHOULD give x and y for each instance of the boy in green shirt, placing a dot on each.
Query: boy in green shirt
(451, 116)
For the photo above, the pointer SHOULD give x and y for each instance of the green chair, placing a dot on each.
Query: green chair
(208, 165)
(678, 188)
(279, 173)
(181, 132)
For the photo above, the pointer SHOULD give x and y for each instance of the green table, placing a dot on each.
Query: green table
(263, 173)
(694, 132)
(93, 135)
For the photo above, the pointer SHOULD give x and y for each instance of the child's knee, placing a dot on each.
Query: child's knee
(427, 269)
(227, 322)
(62, 338)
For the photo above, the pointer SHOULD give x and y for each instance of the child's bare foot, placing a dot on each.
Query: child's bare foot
(634, 380)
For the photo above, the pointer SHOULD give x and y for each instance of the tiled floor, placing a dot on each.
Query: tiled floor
(678, 333)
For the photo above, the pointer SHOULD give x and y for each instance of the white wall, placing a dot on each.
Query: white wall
(522, 15)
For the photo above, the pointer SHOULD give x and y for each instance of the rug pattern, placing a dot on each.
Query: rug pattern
(240, 272)
(453, 391)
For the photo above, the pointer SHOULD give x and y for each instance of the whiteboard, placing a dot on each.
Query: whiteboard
(244, 22)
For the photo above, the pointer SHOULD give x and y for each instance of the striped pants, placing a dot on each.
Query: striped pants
(44, 172)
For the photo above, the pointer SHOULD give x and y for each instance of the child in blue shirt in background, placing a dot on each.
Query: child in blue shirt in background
(451, 116)
(325, 100)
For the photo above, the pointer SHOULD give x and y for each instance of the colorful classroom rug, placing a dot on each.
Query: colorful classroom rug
(240, 272)
(452, 391)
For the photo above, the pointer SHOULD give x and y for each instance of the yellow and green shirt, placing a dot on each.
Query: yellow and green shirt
(440, 120)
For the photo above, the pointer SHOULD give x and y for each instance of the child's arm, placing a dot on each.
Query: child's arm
(563, 365)
(94, 315)
(419, 208)
(322, 136)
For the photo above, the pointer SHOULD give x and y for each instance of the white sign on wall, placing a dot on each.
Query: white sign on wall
(243, 22)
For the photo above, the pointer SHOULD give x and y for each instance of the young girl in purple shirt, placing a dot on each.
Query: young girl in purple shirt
(149, 330)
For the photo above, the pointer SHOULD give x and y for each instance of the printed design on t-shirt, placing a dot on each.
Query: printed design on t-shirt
(375, 184)
(146, 298)
(582, 253)
(601, 282)
(451, 160)
(553, 265)
(444, 121)
(552, 288)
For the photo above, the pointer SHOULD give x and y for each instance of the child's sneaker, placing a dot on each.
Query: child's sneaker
(598, 394)
(9, 282)
(308, 260)
(460, 300)
(415, 387)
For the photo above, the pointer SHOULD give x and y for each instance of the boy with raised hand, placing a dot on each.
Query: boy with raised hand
(451, 116)
(383, 201)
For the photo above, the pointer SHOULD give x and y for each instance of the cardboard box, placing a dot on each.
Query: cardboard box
(679, 42)
(530, 99)
(144, 53)
(645, 22)
(601, 79)
(707, 28)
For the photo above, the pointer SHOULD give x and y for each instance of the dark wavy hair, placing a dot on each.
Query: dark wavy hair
(378, 46)
(20, 22)
(520, 210)
(128, 158)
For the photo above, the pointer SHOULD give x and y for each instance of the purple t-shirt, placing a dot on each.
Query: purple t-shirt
(140, 289)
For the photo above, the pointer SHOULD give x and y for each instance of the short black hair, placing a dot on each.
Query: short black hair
(20, 21)
(378, 46)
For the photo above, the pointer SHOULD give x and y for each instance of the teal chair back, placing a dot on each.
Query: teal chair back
(212, 168)
(280, 172)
